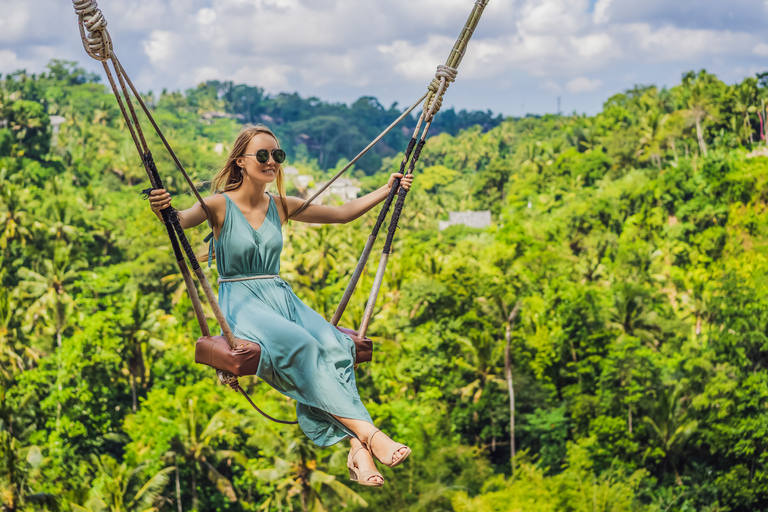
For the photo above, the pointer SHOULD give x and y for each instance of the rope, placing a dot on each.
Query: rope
(97, 43)
(434, 97)
(231, 381)
(444, 76)
(359, 155)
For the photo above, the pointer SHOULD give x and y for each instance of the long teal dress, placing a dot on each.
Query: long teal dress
(302, 355)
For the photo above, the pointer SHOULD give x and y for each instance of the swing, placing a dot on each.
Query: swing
(233, 357)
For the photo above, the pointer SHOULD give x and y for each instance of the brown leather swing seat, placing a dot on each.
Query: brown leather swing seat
(244, 359)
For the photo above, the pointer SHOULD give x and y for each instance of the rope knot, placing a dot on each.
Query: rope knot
(228, 379)
(97, 43)
(435, 101)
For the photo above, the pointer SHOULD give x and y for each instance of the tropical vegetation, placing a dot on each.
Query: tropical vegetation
(603, 345)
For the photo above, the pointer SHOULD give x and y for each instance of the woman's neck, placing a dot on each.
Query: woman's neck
(251, 192)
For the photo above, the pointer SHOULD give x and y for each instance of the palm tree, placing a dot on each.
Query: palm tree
(196, 446)
(296, 473)
(13, 224)
(319, 253)
(49, 291)
(669, 425)
(651, 135)
(141, 334)
(121, 488)
(49, 288)
(482, 353)
(699, 103)
(630, 316)
(508, 375)
(11, 362)
(17, 461)
(745, 102)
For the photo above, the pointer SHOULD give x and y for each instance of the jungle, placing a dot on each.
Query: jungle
(602, 345)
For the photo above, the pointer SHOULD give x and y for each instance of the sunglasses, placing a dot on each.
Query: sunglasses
(262, 155)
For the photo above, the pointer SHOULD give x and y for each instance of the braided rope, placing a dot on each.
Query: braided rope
(97, 43)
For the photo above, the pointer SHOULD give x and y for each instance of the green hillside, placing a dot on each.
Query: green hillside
(633, 242)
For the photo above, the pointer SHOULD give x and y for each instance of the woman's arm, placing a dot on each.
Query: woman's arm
(321, 214)
(159, 199)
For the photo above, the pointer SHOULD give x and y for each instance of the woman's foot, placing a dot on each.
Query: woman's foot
(387, 451)
(362, 469)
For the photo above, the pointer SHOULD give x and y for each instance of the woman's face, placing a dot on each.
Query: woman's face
(252, 168)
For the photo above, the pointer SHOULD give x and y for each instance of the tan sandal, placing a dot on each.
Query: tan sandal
(387, 461)
(358, 475)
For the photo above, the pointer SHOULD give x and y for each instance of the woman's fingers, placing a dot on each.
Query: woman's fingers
(405, 181)
(159, 199)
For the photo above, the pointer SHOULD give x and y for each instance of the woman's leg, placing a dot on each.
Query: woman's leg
(381, 443)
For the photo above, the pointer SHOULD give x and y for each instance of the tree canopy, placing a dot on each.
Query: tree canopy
(632, 242)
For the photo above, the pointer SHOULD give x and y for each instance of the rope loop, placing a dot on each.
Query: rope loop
(444, 74)
(97, 42)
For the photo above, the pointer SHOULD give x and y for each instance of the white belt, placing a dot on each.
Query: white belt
(249, 278)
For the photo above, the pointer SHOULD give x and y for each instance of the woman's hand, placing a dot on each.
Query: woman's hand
(405, 181)
(159, 199)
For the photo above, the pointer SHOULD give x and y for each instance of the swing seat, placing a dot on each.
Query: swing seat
(244, 360)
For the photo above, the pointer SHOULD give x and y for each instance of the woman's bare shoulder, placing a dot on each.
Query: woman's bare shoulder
(217, 204)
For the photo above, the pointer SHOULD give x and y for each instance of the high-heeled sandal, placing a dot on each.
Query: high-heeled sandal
(358, 475)
(387, 461)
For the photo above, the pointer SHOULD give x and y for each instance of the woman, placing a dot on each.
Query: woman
(302, 355)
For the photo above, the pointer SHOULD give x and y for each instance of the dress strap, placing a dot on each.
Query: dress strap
(209, 240)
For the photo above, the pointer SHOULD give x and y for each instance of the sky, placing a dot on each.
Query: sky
(525, 54)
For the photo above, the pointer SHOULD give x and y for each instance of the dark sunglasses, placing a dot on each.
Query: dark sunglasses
(262, 155)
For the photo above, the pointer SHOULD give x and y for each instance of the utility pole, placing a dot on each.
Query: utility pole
(559, 112)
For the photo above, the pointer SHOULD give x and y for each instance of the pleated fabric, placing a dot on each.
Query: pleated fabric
(302, 355)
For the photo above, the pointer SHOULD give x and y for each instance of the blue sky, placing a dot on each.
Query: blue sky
(524, 55)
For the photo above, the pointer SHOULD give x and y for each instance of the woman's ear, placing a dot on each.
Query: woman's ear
(240, 163)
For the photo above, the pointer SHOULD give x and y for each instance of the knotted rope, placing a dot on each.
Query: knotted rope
(444, 76)
(97, 43)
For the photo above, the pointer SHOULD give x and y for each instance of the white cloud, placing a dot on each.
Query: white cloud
(159, 47)
(273, 78)
(9, 61)
(13, 22)
(594, 45)
(674, 43)
(206, 16)
(583, 84)
(760, 49)
(552, 86)
(350, 48)
(600, 15)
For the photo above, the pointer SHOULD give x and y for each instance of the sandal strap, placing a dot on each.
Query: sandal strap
(370, 439)
(353, 453)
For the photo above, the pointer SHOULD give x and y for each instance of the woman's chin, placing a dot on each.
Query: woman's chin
(264, 177)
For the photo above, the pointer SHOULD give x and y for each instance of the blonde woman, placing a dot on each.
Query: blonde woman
(302, 355)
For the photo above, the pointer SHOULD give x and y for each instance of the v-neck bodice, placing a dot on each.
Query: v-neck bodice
(243, 251)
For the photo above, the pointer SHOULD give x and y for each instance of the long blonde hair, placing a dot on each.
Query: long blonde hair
(230, 177)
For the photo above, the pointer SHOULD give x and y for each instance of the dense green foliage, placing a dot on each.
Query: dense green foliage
(633, 243)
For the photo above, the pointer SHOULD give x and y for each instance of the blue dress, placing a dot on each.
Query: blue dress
(302, 355)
